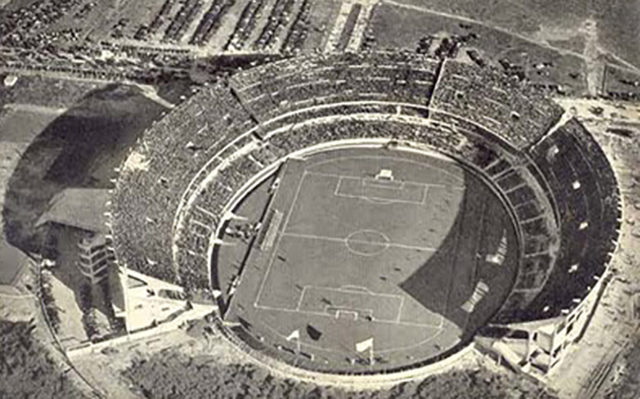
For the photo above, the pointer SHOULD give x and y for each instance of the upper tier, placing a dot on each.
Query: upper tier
(172, 190)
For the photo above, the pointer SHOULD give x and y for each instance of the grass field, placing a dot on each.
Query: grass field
(358, 257)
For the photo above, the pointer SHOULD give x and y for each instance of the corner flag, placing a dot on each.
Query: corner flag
(364, 345)
(294, 335)
(367, 344)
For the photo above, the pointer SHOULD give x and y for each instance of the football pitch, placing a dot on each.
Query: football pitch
(373, 246)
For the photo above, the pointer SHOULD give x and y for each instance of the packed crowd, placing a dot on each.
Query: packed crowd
(175, 152)
(228, 130)
(487, 153)
(135, 200)
(193, 239)
(319, 81)
(338, 109)
(587, 197)
(137, 245)
(471, 129)
(484, 96)
(273, 74)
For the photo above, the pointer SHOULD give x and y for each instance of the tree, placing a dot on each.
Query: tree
(172, 374)
(26, 370)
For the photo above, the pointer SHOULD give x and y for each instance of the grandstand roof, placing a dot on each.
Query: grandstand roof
(82, 208)
(11, 262)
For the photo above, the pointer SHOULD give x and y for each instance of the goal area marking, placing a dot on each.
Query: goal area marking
(349, 306)
(380, 190)
(352, 303)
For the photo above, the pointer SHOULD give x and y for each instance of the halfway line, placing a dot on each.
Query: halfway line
(344, 241)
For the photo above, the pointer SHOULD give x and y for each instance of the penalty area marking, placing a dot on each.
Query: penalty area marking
(326, 310)
(350, 298)
(439, 329)
(439, 325)
(348, 313)
(396, 322)
(404, 182)
(344, 312)
(383, 184)
(388, 192)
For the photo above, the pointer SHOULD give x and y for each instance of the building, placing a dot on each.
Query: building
(82, 211)
(94, 256)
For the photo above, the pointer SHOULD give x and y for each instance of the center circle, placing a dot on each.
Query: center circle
(328, 270)
(367, 242)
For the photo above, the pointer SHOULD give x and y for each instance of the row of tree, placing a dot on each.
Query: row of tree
(26, 369)
(49, 301)
(173, 375)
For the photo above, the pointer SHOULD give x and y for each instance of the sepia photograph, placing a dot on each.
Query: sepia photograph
(319, 199)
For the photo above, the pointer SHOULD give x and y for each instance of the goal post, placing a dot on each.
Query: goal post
(385, 175)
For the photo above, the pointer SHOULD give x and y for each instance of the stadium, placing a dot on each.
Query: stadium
(358, 214)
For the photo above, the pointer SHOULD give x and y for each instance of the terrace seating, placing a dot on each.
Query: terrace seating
(219, 139)
(515, 181)
(534, 217)
(173, 155)
(586, 194)
(270, 91)
(484, 97)
(306, 135)
(202, 217)
(472, 129)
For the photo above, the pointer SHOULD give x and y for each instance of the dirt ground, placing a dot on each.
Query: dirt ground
(553, 22)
